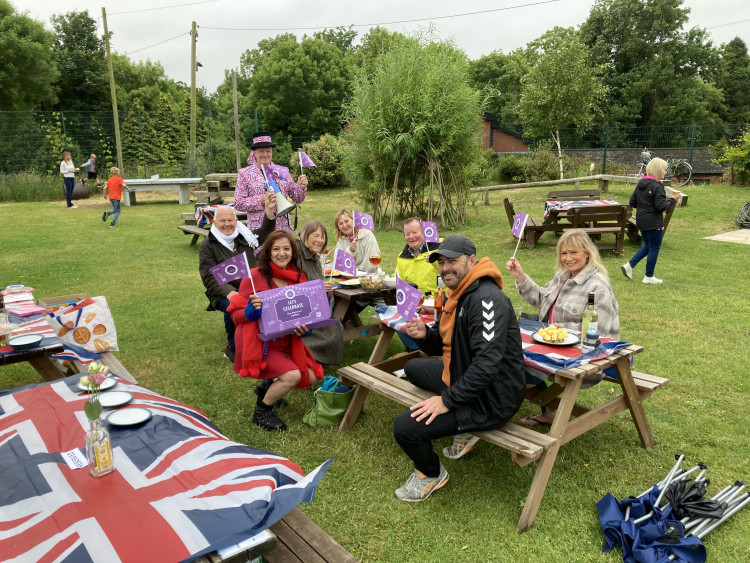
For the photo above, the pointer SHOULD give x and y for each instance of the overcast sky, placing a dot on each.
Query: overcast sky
(159, 29)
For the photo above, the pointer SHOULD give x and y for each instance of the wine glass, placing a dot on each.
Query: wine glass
(375, 260)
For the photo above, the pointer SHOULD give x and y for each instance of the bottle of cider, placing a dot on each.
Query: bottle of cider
(439, 297)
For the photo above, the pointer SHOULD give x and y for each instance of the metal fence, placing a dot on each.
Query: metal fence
(157, 143)
(152, 143)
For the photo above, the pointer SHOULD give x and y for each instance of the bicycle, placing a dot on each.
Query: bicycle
(678, 169)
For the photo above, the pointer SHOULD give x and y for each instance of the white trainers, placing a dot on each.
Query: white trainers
(627, 270)
(462, 445)
(419, 488)
(651, 279)
(73, 207)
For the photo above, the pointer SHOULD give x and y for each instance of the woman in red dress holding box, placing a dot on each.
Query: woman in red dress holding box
(287, 363)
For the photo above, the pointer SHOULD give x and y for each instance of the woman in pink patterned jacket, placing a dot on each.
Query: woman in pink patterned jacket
(249, 195)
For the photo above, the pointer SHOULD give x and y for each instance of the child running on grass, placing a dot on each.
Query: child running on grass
(114, 186)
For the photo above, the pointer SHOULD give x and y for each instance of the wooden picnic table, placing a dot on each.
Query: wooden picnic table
(346, 311)
(39, 358)
(573, 418)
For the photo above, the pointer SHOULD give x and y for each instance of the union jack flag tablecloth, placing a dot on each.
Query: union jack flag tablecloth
(549, 359)
(181, 489)
(387, 314)
(563, 205)
(204, 216)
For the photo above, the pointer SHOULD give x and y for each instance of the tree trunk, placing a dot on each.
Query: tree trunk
(395, 192)
(441, 191)
(556, 137)
(430, 166)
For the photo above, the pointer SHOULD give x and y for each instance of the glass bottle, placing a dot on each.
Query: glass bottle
(590, 319)
(439, 297)
(98, 449)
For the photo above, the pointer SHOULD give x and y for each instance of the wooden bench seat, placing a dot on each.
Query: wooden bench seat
(573, 195)
(194, 230)
(534, 227)
(597, 221)
(300, 540)
(520, 441)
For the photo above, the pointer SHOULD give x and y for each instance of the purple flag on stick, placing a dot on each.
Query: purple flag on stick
(407, 299)
(518, 224)
(430, 231)
(344, 262)
(276, 172)
(236, 268)
(363, 221)
(304, 160)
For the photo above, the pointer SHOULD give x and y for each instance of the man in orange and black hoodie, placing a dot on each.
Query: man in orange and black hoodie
(480, 379)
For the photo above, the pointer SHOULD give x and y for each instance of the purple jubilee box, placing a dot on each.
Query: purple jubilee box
(286, 308)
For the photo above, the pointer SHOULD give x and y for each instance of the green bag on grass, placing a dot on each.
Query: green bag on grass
(327, 408)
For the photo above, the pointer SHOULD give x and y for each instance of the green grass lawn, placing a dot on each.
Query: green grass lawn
(694, 328)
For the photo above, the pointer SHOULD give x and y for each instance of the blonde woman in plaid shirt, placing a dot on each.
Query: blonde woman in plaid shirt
(563, 300)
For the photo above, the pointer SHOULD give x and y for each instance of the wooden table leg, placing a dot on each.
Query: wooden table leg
(633, 400)
(340, 309)
(381, 346)
(354, 409)
(547, 461)
(47, 368)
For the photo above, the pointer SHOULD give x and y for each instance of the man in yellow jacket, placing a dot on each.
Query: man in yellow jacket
(412, 266)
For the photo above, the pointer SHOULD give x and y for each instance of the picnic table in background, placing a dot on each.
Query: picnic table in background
(159, 185)
(553, 207)
(40, 356)
(568, 367)
(346, 311)
(180, 489)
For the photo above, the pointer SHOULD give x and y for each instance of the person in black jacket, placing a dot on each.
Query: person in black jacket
(480, 379)
(228, 238)
(651, 201)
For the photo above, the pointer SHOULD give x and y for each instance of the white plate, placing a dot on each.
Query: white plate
(352, 282)
(429, 305)
(569, 341)
(128, 416)
(108, 383)
(115, 399)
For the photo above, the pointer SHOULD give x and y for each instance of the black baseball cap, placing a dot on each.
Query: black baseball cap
(454, 246)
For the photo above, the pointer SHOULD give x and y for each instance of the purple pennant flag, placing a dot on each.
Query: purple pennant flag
(407, 299)
(236, 268)
(518, 224)
(430, 231)
(363, 221)
(276, 172)
(304, 160)
(344, 262)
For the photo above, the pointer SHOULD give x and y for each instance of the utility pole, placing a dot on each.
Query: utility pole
(113, 94)
(193, 69)
(236, 119)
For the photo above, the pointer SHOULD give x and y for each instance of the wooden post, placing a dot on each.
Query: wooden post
(236, 120)
(113, 94)
(193, 68)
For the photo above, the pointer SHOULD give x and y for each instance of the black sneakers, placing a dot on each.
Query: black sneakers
(229, 354)
(262, 388)
(267, 419)
(104, 216)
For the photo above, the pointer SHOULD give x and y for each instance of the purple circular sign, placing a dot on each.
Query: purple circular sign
(400, 297)
(231, 270)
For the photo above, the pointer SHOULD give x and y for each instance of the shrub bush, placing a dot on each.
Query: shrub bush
(327, 155)
(25, 186)
(511, 169)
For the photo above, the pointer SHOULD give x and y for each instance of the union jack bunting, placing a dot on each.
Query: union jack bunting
(181, 489)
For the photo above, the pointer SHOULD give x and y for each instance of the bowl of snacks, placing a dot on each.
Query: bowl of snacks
(389, 281)
(370, 283)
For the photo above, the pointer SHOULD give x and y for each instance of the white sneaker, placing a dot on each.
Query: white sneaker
(627, 270)
(73, 207)
(651, 279)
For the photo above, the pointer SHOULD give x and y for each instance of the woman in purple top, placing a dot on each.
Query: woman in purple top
(249, 195)
(651, 201)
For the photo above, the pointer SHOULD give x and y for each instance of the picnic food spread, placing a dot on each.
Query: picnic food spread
(552, 333)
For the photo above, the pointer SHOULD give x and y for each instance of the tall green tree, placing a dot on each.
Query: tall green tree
(144, 81)
(81, 58)
(27, 68)
(413, 132)
(562, 89)
(656, 72)
(734, 82)
(374, 43)
(296, 87)
(499, 77)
